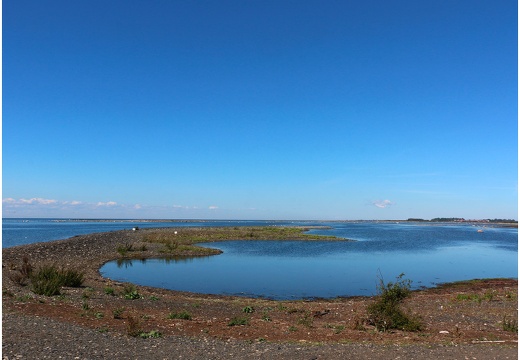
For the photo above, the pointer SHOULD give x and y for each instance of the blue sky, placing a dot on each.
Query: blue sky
(260, 109)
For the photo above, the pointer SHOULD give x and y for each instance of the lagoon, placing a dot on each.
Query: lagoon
(426, 254)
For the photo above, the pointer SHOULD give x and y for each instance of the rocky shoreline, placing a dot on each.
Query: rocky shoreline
(81, 323)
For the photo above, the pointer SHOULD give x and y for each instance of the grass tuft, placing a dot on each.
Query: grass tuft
(49, 279)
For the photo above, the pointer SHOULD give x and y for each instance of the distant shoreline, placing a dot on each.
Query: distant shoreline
(483, 222)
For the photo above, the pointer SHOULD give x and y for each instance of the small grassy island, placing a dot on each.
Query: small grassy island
(474, 315)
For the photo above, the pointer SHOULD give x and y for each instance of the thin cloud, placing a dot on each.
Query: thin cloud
(213, 207)
(382, 203)
(109, 203)
(32, 201)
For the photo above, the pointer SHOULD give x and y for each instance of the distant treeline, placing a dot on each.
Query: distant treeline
(464, 220)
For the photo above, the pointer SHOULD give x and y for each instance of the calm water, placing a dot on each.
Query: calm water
(427, 254)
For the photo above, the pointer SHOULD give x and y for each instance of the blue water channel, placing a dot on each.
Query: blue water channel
(426, 254)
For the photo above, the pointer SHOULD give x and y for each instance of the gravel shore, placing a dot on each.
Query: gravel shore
(27, 337)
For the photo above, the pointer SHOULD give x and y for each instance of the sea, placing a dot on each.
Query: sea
(428, 254)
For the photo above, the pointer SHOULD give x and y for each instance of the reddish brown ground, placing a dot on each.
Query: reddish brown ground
(339, 320)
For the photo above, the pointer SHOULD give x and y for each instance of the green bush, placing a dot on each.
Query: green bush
(49, 279)
(385, 312)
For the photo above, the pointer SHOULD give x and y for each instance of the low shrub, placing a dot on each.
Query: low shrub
(385, 312)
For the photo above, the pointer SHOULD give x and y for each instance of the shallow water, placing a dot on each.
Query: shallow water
(427, 254)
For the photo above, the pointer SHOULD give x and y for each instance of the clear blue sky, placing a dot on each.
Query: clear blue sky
(286, 109)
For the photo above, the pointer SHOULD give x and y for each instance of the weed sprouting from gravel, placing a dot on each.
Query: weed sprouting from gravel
(385, 313)
(183, 315)
(237, 321)
(510, 325)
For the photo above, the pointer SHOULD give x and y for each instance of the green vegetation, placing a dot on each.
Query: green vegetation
(109, 291)
(118, 312)
(183, 315)
(49, 279)
(510, 325)
(130, 292)
(337, 328)
(123, 249)
(237, 321)
(447, 219)
(385, 312)
(151, 334)
(475, 297)
(307, 320)
(248, 309)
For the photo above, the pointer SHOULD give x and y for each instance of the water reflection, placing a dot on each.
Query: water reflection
(126, 263)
